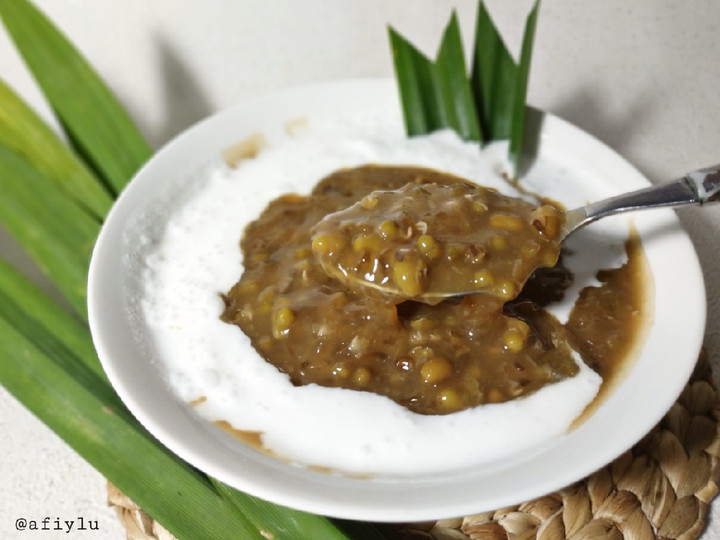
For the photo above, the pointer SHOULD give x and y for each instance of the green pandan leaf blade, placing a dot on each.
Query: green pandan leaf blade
(50, 227)
(414, 75)
(454, 86)
(25, 133)
(521, 86)
(435, 95)
(493, 76)
(95, 120)
(66, 331)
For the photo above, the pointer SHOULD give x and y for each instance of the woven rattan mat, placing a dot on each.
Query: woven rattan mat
(658, 490)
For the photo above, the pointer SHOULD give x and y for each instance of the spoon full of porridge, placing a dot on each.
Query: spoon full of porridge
(428, 242)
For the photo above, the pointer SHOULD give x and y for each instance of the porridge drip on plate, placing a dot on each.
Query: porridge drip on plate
(432, 359)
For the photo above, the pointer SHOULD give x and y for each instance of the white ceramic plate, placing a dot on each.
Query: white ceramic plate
(634, 407)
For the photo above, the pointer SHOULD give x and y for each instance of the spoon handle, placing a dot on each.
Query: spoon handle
(696, 187)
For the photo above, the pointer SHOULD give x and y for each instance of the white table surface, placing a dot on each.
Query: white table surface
(642, 76)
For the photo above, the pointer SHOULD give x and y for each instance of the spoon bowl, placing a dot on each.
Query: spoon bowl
(428, 242)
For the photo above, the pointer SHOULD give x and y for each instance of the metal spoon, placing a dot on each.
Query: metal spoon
(696, 187)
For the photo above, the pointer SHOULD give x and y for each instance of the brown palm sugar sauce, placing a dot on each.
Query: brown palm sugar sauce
(432, 359)
(609, 320)
(430, 241)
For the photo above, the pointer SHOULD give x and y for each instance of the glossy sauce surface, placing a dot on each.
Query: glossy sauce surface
(429, 241)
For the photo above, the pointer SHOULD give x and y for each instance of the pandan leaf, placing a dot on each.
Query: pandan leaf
(93, 117)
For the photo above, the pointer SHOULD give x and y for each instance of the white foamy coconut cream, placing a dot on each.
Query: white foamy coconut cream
(191, 256)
